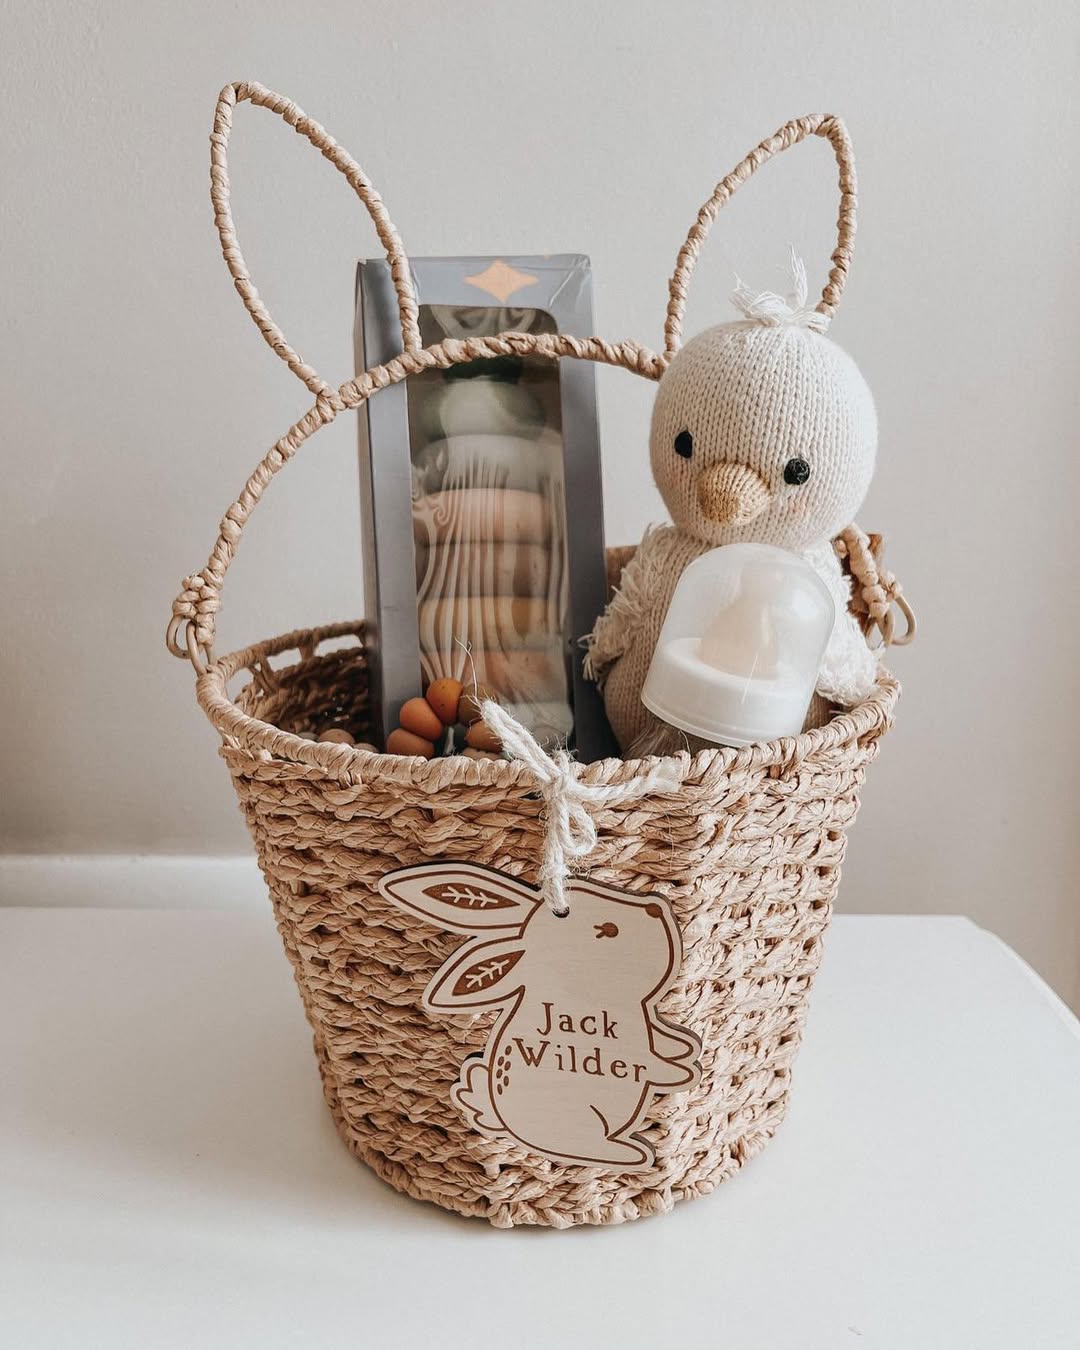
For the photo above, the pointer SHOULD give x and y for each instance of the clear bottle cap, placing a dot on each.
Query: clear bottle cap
(741, 647)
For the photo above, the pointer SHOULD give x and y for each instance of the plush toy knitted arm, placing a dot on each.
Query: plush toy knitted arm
(849, 667)
(611, 634)
(628, 610)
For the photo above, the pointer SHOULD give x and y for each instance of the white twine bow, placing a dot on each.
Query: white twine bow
(569, 829)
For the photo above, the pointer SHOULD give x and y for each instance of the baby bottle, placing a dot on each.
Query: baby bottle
(739, 652)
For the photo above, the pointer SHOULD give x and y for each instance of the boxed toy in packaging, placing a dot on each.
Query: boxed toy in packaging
(477, 567)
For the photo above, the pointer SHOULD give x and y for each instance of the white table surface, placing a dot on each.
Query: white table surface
(170, 1176)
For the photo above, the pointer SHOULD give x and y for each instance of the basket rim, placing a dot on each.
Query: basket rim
(349, 765)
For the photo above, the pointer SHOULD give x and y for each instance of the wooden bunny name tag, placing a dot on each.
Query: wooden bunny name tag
(579, 1051)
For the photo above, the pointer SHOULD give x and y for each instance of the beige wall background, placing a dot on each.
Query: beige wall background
(137, 396)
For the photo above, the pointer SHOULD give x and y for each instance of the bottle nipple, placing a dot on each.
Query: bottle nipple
(742, 638)
(742, 642)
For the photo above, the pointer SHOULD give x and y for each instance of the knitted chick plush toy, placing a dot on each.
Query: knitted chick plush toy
(763, 430)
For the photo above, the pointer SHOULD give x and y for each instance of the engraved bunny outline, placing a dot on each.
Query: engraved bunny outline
(525, 960)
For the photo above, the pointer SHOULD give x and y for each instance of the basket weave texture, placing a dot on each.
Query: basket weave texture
(747, 854)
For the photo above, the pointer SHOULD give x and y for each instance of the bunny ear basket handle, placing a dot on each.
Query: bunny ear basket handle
(245, 91)
(191, 628)
(190, 632)
(791, 133)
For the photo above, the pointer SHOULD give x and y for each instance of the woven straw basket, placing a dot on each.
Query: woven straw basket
(747, 852)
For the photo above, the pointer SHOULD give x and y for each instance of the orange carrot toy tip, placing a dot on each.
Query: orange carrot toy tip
(443, 697)
(402, 742)
(419, 717)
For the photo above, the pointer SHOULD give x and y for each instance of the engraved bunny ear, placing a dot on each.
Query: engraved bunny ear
(460, 897)
(479, 975)
(791, 133)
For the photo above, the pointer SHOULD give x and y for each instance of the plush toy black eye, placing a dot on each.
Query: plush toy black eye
(684, 444)
(796, 472)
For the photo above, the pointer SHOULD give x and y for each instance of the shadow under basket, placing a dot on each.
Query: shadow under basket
(747, 855)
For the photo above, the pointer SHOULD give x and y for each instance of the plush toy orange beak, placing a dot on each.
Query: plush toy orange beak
(732, 494)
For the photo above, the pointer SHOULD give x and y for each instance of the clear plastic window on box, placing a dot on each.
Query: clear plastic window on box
(489, 519)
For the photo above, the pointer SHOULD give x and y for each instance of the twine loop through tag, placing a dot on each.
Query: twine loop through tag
(569, 829)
